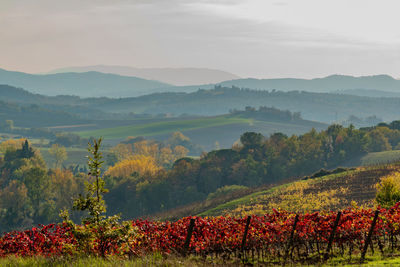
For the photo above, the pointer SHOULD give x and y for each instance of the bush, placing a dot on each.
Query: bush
(388, 190)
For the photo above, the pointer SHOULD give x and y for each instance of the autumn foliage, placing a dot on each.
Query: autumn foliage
(143, 165)
(268, 234)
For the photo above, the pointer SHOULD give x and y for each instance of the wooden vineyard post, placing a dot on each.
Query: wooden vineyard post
(246, 230)
(188, 236)
(332, 236)
(289, 245)
(369, 237)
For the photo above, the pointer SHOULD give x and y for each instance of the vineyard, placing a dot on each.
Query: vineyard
(330, 192)
(274, 238)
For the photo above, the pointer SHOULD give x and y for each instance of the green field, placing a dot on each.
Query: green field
(204, 131)
(159, 128)
(383, 157)
(75, 156)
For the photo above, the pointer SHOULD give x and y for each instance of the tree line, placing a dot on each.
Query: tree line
(145, 177)
(255, 161)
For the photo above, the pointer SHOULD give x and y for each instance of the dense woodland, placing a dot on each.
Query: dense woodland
(145, 177)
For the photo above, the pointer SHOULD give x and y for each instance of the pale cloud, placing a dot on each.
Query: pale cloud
(262, 38)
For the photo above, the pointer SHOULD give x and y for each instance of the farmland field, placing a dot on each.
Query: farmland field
(225, 129)
(158, 128)
(383, 157)
(75, 156)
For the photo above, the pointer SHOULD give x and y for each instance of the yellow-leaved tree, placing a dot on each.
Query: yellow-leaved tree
(164, 156)
(13, 144)
(137, 164)
(65, 188)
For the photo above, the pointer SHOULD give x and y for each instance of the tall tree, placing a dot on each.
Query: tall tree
(59, 153)
(39, 190)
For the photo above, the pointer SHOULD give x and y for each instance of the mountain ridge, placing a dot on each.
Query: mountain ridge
(98, 84)
(86, 84)
(381, 82)
(175, 76)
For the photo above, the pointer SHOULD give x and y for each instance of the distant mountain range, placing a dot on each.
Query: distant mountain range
(327, 84)
(88, 84)
(99, 84)
(175, 76)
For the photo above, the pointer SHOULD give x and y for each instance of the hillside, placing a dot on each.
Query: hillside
(368, 92)
(175, 76)
(375, 158)
(35, 116)
(206, 131)
(326, 84)
(87, 84)
(324, 107)
(330, 192)
(114, 81)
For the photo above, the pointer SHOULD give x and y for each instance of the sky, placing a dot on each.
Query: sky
(250, 38)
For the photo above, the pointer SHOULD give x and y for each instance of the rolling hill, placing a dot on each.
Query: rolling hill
(35, 116)
(324, 107)
(376, 158)
(368, 92)
(90, 82)
(330, 192)
(175, 76)
(87, 84)
(326, 84)
(206, 131)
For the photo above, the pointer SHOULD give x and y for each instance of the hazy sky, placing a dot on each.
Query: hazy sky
(251, 38)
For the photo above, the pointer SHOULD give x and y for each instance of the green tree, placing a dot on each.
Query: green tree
(14, 207)
(251, 139)
(378, 141)
(59, 153)
(93, 202)
(97, 231)
(26, 151)
(39, 191)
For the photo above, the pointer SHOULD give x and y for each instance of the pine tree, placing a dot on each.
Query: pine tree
(93, 202)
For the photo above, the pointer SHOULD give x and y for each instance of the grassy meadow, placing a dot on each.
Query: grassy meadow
(75, 155)
(163, 127)
(383, 157)
(204, 131)
(190, 261)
